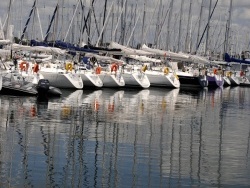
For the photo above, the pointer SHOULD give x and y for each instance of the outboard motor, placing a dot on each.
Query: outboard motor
(43, 87)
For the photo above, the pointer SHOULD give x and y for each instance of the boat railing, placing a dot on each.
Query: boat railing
(119, 76)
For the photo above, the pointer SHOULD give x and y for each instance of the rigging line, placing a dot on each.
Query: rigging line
(8, 16)
(80, 26)
(96, 23)
(104, 19)
(71, 21)
(162, 24)
(133, 29)
(40, 25)
(97, 43)
(119, 18)
(27, 22)
(218, 36)
(51, 21)
(206, 26)
(145, 34)
(90, 38)
(88, 26)
(88, 15)
(131, 22)
(219, 46)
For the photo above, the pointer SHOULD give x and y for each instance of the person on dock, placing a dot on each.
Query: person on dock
(15, 60)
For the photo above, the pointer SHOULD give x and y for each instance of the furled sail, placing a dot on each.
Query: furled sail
(128, 50)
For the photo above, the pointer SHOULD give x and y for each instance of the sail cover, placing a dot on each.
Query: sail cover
(128, 50)
(168, 54)
(17, 47)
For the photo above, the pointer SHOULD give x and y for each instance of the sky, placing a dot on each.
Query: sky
(155, 17)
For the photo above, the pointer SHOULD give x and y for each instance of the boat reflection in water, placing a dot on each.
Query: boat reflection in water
(136, 138)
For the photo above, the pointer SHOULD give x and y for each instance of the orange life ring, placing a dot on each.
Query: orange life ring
(36, 68)
(98, 70)
(241, 73)
(24, 66)
(215, 71)
(114, 67)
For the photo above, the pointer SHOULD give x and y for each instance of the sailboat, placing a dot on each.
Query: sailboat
(132, 73)
(239, 74)
(215, 80)
(194, 74)
(161, 76)
(188, 77)
(108, 69)
(61, 75)
(233, 75)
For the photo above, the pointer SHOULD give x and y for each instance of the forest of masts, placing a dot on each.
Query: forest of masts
(192, 26)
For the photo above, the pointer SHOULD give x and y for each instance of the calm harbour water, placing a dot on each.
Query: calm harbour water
(127, 138)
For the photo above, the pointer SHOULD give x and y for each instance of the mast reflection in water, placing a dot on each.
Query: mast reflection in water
(126, 138)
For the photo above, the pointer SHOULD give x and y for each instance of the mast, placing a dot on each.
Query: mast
(88, 28)
(8, 20)
(132, 32)
(119, 18)
(87, 18)
(143, 22)
(1, 30)
(157, 24)
(228, 27)
(21, 19)
(55, 30)
(148, 25)
(188, 39)
(82, 17)
(73, 27)
(72, 19)
(161, 26)
(169, 22)
(134, 21)
(199, 26)
(103, 21)
(62, 26)
(123, 22)
(33, 25)
(180, 27)
(208, 27)
(112, 22)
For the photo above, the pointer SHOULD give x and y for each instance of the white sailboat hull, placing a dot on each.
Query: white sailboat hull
(91, 80)
(63, 80)
(160, 79)
(136, 79)
(227, 81)
(234, 81)
(112, 80)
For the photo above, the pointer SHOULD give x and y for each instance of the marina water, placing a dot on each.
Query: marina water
(127, 138)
